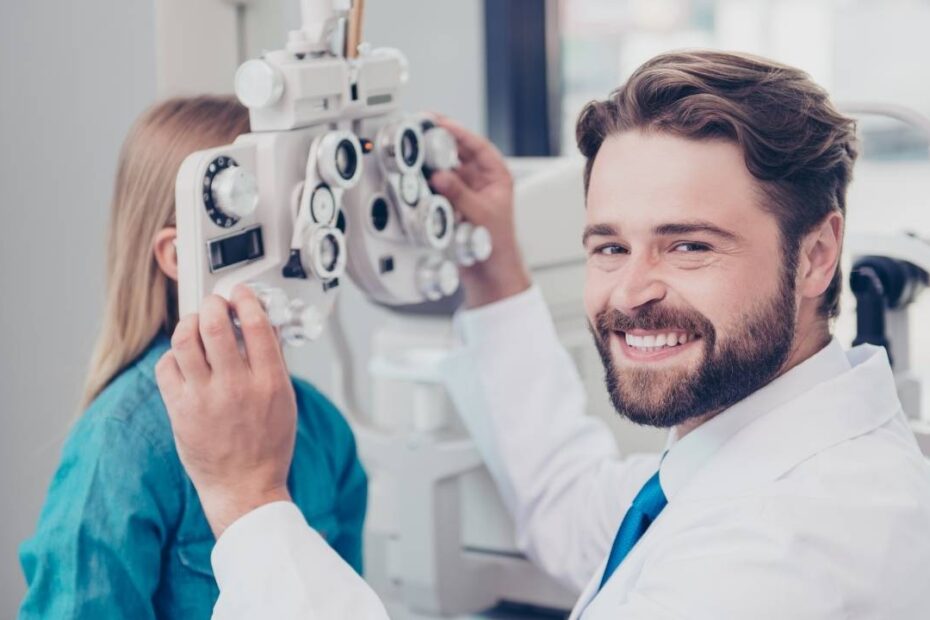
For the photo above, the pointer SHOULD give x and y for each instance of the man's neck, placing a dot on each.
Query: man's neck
(807, 343)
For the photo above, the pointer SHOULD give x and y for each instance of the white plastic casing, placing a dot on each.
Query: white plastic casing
(277, 160)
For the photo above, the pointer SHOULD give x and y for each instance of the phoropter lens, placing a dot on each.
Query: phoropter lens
(346, 161)
(409, 147)
(329, 252)
(439, 224)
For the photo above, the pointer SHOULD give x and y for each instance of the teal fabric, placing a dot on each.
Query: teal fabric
(122, 533)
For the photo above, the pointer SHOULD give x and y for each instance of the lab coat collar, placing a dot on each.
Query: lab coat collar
(687, 455)
(795, 420)
(829, 398)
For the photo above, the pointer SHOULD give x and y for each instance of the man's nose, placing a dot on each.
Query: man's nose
(638, 284)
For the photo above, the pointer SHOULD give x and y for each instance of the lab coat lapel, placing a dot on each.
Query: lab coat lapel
(852, 404)
(589, 592)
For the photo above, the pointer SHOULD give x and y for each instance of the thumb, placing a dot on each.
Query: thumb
(451, 185)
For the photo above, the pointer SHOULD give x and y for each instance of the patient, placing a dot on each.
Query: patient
(122, 533)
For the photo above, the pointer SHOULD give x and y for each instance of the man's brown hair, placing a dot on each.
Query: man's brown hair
(795, 143)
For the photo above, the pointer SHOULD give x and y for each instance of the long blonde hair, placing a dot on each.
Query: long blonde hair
(140, 299)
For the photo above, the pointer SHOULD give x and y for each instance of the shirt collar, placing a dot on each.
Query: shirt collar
(685, 456)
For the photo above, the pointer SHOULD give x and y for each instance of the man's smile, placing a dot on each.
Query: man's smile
(640, 345)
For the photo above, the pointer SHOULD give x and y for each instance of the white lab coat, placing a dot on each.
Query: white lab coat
(809, 499)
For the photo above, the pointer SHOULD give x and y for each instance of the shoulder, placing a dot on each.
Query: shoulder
(316, 412)
(320, 424)
(127, 423)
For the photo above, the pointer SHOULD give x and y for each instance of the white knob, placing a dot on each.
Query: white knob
(312, 322)
(274, 301)
(258, 84)
(235, 191)
(322, 205)
(480, 243)
(409, 189)
(472, 244)
(441, 151)
(437, 278)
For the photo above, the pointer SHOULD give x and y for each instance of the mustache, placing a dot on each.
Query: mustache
(653, 318)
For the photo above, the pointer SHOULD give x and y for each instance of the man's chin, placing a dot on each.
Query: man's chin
(660, 396)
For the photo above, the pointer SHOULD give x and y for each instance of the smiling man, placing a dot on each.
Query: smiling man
(791, 486)
(689, 310)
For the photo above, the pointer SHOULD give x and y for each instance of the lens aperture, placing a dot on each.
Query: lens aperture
(409, 148)
(346, 160)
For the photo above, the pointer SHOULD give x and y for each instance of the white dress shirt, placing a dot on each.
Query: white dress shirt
(808, 499)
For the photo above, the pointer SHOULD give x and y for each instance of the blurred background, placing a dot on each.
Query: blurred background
(74, 75)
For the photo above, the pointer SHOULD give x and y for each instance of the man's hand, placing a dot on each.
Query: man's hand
(482, 189)
(234, 418)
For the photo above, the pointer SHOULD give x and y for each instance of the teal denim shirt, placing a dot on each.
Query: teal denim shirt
(122, 533)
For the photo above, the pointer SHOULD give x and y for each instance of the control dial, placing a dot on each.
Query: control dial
(437, 278)
(230, 192)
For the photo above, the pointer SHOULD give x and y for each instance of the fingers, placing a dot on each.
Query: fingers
(189, 355)
(450, 184)
(474, 148)
(469, 144)
(261, 341)
(169, 377)
(219, 339)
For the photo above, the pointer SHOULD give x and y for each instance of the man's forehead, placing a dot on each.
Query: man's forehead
(643, 179)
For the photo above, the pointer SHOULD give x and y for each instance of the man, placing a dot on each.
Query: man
(791, 486)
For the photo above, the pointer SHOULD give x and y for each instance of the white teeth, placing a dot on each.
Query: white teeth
(655, 342)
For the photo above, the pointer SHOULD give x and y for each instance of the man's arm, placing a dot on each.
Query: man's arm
(270, 564)
(518, 391)
(557, 468)
(234, 422)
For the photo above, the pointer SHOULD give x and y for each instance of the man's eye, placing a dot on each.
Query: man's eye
(610, 249)
(688, 247)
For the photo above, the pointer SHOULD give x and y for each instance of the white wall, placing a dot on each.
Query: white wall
(73, 75)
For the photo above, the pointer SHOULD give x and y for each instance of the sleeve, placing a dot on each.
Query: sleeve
(271, 564)
(558, 469)
(97, 548)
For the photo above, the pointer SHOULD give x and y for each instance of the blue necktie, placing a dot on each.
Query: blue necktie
(646, 506)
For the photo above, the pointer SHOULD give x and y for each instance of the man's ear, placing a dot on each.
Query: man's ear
(166, 255)
(820, 256)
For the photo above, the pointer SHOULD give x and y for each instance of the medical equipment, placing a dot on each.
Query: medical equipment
(439, 540)
(332, 179)
(889, 273)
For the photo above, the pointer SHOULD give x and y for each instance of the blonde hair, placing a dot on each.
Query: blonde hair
(140, 299)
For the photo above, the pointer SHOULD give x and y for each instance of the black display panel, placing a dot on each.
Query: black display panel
(240, 248)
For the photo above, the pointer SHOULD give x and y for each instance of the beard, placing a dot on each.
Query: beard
(729, 370)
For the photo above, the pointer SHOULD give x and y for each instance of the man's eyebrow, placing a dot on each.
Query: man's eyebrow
(694, 226)
(600, 230)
